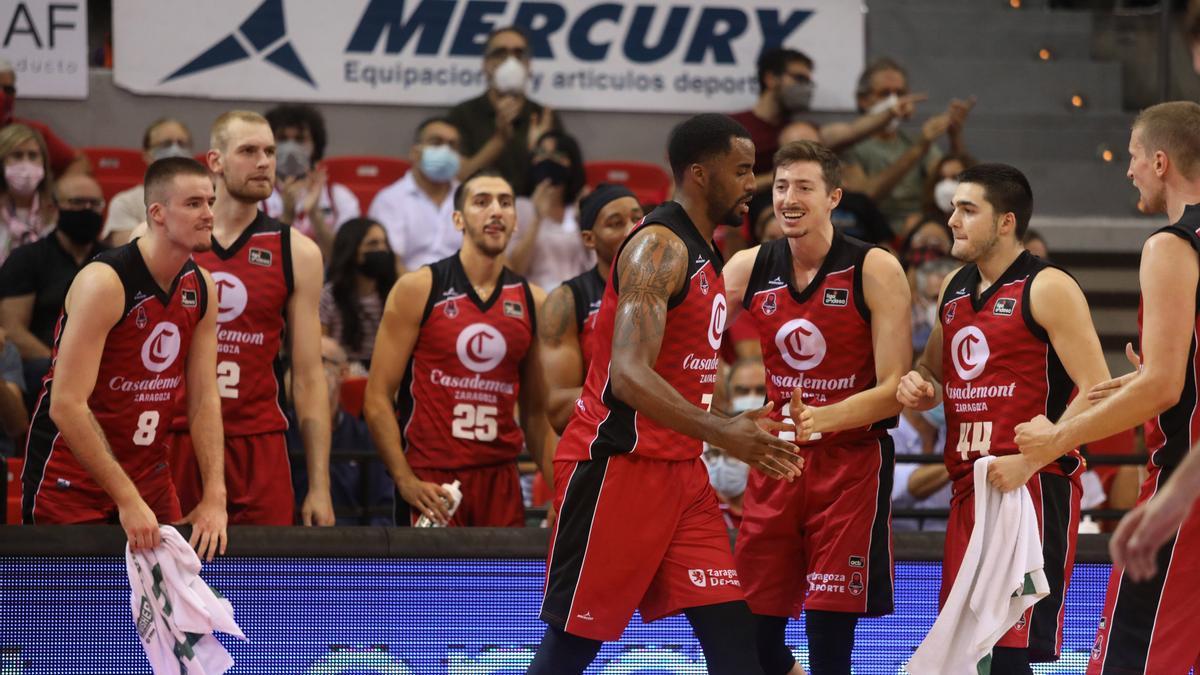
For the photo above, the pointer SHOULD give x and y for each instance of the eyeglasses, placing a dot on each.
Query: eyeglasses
(518, 53)
(81, 203)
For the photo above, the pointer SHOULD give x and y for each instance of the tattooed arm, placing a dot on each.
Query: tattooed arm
(652, 268)
(562, 357)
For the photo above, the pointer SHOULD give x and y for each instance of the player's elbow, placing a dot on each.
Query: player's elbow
(63, 410)
(622, 381)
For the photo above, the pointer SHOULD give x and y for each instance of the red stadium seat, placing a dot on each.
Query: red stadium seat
(365, 175)
(116, 169)
(354, 389)
(649, 182)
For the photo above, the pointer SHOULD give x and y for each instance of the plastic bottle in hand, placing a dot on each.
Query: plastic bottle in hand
(451, 505)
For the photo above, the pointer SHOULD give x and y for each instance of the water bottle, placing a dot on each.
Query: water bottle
(451, 504)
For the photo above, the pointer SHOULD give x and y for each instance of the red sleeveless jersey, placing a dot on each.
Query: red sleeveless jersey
(602, 424)
(142, 369)
(457, 402)
(254, 282)
(818, 338)
(587, 290)
(1170, 435)
(998, 368)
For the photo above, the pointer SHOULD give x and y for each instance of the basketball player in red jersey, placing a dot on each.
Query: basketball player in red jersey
(1014, 336)
(833, 317)
(639, 526)
(136, 322)
(567, 321)
(1148, 624)
(457, 342)
(266, 279)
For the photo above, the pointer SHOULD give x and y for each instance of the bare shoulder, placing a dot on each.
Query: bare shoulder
(539, 294)
(654, 260)
(305, 251)
(881, 264)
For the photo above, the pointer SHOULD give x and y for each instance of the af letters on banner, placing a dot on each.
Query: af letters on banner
(587, 54)
(46, 43)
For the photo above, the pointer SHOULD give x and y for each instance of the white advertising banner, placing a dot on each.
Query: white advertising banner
(46, 43)
(587, 54)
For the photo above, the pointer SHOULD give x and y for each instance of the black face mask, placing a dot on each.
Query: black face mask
(548, 169)
(82, 226)
(377, 264)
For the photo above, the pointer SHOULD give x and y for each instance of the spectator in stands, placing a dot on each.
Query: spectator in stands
(1191, 28)
(891, 166)
(165, 137)
(500, 127)
(63, 159)
(354, 484)
(785, 91)
(925, 282)
(27, 188)
(14, 415)
(1036, 244)
(303, 197)
(930, 240)
(546, 248)
(35, 277)
(937, 195)
(362, 271)
(745, 389)
(919, 485)
(418, 210)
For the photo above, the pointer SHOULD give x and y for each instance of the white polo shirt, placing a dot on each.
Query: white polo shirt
(420, 231)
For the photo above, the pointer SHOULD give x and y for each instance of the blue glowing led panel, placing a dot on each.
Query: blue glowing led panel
(441, 617)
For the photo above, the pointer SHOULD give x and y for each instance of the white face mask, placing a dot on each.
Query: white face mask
(887, 104)
(740, 404)
(943, 194)
(510, 76)
(726, 474)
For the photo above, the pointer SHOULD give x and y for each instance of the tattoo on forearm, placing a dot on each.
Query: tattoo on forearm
(646, 282)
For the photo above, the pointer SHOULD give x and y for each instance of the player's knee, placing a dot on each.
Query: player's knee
(1010, 661)
(726, 634)
(830, 641)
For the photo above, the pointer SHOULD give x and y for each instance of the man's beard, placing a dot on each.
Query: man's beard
(246, 194)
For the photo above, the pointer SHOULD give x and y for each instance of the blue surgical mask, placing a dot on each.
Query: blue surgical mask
(936, 416)
(439, 163)
(172, 150)
(741, 404)
(726, 474)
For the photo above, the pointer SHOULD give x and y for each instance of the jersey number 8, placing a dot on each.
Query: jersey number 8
(147, 428)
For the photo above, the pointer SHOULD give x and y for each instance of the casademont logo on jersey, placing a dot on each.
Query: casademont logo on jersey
(706, 365)
(480, 347)
(159, 352)
(232, 297)
(802, 346)
(969, 352)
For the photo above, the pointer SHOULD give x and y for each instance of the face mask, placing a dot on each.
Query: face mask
(291, 159)
(727, 475)
(797, 97)
(377, 264)
(439, 163)
(82, 226)
(936, 416)
(887, 104)
(510, 76)
(172, 150)
(548, 169)
(23, 177)
(741, 404)
(943, 194)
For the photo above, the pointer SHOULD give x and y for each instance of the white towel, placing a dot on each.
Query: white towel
(1000, 577)
(175, 611)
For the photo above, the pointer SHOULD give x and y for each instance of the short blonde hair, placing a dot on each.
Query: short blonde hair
(14, 135)
(218, 138)
(1174, 129)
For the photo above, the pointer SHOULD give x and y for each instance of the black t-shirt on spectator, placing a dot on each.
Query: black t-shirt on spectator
(45, 269)
(476, 121)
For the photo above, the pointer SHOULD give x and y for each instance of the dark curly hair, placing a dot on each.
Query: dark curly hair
(343, 276)
(303, 116)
